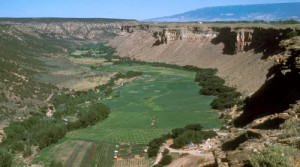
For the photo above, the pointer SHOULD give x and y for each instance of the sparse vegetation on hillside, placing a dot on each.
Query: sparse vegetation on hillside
(275, 156)
(20, 65)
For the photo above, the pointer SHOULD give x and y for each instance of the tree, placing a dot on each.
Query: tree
(177, 132)
(195, 127)
(166, 160)
(292, 34)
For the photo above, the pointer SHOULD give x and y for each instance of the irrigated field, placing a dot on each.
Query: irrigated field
(162, 99)
(78, 153)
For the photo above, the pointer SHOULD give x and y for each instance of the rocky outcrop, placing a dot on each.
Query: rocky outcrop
(92, 29)
(240, 144)
(243, 39)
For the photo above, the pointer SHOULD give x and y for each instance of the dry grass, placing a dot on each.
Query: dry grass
(86, 83)
(86, 61)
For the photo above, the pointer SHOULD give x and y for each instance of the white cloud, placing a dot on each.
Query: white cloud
(229, 14)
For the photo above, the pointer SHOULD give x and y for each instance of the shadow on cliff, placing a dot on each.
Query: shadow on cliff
(266, 41)
(275, 95)
(228, 38)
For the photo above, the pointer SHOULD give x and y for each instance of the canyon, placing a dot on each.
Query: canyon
(260, 60)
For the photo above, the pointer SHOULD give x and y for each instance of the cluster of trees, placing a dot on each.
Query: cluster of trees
(191, 133)
(90, 46)
(37, 130)
(128, 74)
(155, 144)
(181, 137)
(107, 88)
(89, 116)
(73, 98)
(214, 86)
(43, 131)
(99, 48)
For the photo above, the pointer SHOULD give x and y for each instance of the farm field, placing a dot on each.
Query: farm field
(78, 153)
(160, 100)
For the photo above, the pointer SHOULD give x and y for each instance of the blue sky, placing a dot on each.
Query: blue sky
(126, 9)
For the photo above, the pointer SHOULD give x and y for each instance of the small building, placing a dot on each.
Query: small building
(116, 154)
(66, 121)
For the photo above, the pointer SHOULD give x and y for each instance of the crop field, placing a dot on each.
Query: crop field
(160, 100)
(132, 163)
(78, 153)
(104, 155)
(128, 151)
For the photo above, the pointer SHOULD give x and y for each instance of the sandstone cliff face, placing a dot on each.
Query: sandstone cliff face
(237, 52)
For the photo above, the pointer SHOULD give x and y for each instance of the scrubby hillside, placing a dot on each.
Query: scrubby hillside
(20, 65)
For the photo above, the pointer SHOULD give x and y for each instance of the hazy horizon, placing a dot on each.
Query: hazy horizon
(119, 9)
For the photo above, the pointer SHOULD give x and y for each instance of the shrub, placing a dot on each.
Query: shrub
(5, 158)
(158, 165)
(27, 152)
(55, 164)
(292, 34)
(291, 128)
(275, 156)
(166, 160)
(166, 151)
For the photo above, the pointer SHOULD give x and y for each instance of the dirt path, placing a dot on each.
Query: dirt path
(49, 98)
(204, 154)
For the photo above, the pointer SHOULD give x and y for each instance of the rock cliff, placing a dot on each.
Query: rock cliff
(239, 52)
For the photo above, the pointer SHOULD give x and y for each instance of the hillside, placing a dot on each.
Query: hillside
(267, 12)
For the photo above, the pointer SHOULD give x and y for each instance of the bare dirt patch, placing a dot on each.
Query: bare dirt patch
(187, 161)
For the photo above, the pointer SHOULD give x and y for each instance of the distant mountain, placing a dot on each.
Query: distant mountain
(267, 12)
